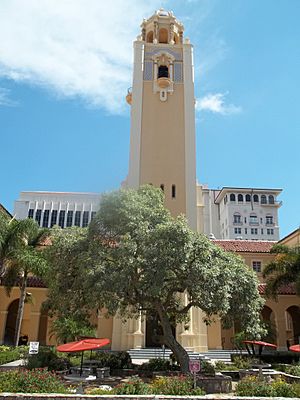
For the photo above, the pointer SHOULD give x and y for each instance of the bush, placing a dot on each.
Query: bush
(207, 368)
(35, 381)
(158, 364)
(118, 360)
(175, 386)
(135, 386)
(47, 358)
(10, 353)
(253, 386)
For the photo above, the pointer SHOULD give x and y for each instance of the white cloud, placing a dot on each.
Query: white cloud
(5, 99)
(77, 48)
(216, 104)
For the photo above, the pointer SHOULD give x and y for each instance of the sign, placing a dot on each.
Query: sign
(194, 366)
(34, 347)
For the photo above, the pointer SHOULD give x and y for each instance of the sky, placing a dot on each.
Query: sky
(65, 67)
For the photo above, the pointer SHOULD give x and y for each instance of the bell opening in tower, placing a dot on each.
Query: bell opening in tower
(163, 72)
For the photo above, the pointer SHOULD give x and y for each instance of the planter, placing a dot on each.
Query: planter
(215, 384)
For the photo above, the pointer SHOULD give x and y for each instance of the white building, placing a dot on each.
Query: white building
(57, 208)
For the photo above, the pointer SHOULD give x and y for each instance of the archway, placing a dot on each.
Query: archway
(268, 318)
(149, 37)
(154, 330)
(293, 324)
(163, 36)
(43, 326)
(10, 326)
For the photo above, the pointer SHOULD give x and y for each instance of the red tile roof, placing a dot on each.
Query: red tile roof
(288, 289)
(245, 246)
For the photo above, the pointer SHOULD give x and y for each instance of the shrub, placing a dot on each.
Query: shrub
(98, 391)
(253, 386)
(207, 368)
(35, 381)
(47, 358)
(158, 364)
(176, 385)
(135, 386)
(10, 353)
(118, 360)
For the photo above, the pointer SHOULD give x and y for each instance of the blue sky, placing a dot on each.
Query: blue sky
(64, 71)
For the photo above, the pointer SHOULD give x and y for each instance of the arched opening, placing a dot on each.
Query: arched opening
(11, 319)
(293, 324)
(240, 198)
(154, 330)
(263, 199)
(255, 198)
(43, 325)
(149, 38)
(248, 198)
(271, 199)
(163, 72)
(163, 36)
(268, 318)
(232, 197)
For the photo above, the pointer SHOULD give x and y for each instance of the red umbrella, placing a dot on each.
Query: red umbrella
(295, 347)
(82, 345)
(258, 343)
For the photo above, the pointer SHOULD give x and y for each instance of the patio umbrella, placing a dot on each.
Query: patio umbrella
(258, 343)
(82, 345)
(295, 347)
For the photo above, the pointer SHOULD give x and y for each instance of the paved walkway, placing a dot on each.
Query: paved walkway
(16, 363)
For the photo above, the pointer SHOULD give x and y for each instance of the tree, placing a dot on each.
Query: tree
(141, 259)
(283, 270)
(20, 257)
(68, 297)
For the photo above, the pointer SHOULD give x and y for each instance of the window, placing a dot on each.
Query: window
(46, 218)
(237, 218)
(61, 218)
(53, 218)
(69, 218)
(270, 231)
(30, 212)
(163, 72)
(253, 219)
(256, 265)
(262, 231)
(162, 186)
(77, 218)
(173, 191)
(85, 219)
(93, 213)
(255, 198)
(271, 199)
(38, 216)
(240, 198)
(248, 198)
(269, 220)
(237, 231)
(232, 197)
(263, 199)
(253, 231)
(245, 220)
(246, 231)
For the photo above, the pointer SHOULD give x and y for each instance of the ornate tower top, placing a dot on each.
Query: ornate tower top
(162, 27)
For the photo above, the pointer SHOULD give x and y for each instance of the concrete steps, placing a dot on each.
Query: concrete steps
(149, 353)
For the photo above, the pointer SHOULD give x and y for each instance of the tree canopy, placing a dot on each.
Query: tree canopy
(137, 258)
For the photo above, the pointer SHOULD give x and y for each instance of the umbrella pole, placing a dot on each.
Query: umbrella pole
(81, 363)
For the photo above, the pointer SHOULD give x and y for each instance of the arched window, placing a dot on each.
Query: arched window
(263, 199)
(248, 198)
(163, 36)
(271, 199)
(163, 72)
(149, 37)
(237, 219)
(232, 197)
(255, 198)
(240, 198)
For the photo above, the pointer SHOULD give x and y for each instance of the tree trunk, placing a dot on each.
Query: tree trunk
(20, 310)
(180, 353)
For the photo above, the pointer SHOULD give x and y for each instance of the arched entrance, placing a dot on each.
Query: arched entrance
(11, 319)
(293, 324)
(154, 330)
(43, 326)
(268, 318)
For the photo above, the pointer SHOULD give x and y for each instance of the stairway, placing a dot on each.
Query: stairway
(223, 355)
(148, 353)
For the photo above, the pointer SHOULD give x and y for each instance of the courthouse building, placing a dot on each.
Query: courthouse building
(162, 153)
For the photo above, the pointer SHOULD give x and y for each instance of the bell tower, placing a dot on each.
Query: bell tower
(162, 137)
